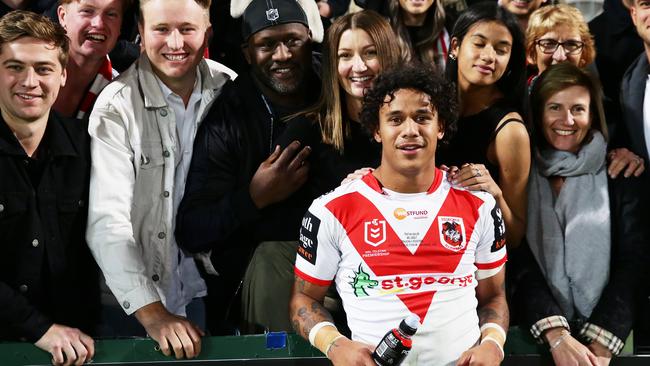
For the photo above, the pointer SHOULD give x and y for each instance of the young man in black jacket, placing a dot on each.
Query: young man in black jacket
(242, 190)
(48, 279)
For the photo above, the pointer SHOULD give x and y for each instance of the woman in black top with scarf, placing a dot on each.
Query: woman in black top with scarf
(586, 240)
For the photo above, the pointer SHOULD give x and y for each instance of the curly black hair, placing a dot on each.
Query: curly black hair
(418, 77)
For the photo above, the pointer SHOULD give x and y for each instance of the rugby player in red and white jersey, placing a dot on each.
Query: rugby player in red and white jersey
(402, 240)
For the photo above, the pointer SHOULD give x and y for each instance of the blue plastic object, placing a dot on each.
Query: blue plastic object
(276, 340)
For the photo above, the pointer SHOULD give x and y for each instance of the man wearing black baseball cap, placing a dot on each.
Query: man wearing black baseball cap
(242, 192)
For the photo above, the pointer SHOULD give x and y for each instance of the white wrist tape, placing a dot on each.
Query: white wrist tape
(494, 326)
(316, 329)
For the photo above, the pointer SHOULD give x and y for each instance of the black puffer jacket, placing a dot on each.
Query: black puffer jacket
(217, 212)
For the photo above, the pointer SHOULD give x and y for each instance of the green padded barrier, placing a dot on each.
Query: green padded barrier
(252, 350)
(141, 350)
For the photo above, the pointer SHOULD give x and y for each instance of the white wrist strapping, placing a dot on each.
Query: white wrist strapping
(315, 329)
(494, 326)
(493, 332)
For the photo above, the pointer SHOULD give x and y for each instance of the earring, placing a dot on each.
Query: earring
(452, 56)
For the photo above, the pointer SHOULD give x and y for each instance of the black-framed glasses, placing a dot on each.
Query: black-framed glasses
(570, 47)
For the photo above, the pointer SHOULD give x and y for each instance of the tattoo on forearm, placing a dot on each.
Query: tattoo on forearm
(494, 312)
(296, 325)
(306, 317)
(314, 315)
(306, 311)
(487, 315)
(318, 308)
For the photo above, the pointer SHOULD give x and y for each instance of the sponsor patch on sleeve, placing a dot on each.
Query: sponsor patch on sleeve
(499, 229)
(309, 237)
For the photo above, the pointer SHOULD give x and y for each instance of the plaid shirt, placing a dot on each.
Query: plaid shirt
(589, 332)
(547, 323)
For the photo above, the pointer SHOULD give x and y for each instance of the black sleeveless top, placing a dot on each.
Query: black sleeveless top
(473, 136)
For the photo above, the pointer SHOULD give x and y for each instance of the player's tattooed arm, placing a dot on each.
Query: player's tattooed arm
(492, 305)
(492, 308)
(306, 309)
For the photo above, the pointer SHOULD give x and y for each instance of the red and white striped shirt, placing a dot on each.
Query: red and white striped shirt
(104, 76)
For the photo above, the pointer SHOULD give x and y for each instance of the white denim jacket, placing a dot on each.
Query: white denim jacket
(133, 146)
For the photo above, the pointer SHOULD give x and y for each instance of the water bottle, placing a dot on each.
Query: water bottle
(396, 344)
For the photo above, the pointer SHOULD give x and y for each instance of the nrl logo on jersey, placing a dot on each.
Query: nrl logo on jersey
(374, 232)
(452, 233)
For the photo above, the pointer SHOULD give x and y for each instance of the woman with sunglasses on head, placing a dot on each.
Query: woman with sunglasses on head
(586, 238)
(491, 149)
(557, 34)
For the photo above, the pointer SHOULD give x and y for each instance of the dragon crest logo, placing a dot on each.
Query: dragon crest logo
(452, 233)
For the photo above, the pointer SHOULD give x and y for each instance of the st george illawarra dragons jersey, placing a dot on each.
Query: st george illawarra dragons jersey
(392, 253)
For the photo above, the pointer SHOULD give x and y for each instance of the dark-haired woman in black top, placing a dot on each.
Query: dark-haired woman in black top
(491, 147)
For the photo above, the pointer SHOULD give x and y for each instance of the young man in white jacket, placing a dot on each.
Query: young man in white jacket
(142, 130)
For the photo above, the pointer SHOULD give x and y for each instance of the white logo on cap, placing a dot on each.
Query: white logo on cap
(272, 15)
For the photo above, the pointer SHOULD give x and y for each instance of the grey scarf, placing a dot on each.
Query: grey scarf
(569, 235)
